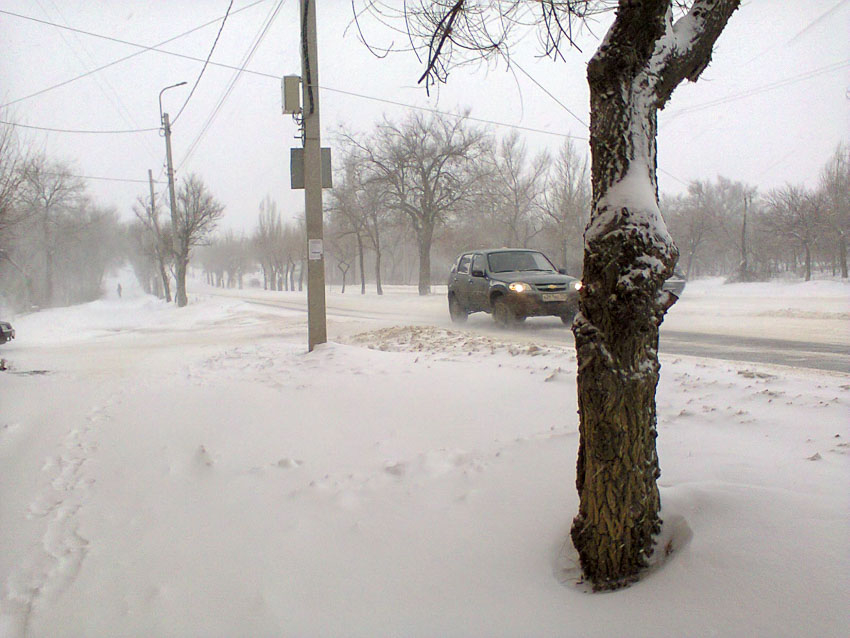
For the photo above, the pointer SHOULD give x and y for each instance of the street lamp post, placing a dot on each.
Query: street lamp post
(180, 293)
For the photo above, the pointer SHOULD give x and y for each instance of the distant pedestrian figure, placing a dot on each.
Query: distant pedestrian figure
(119, 291)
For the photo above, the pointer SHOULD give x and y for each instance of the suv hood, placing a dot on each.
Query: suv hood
(533, 277)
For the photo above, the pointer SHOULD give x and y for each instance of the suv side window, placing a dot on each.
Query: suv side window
(463, 264)
(479, 263)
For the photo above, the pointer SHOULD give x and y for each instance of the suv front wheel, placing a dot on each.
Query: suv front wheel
(504, 314)
(456, 311)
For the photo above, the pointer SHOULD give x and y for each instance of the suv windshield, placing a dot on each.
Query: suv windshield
(518, 260)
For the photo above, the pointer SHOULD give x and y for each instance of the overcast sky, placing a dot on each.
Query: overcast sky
(770, 109)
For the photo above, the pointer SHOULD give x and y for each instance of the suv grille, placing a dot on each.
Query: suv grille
(554, 287)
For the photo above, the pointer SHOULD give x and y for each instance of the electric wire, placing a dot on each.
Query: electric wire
(84, 56)
(136, 45)
(119, 60)
(244, 69)
(231, 85)
(102, 178)
(748, 93)
(450, 114)
(83, 131)
(778, 84)
(549, 93)
(206, 62)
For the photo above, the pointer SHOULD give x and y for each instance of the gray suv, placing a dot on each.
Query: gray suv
(511, 284)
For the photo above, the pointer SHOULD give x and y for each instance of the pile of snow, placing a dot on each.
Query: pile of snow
(197, 472)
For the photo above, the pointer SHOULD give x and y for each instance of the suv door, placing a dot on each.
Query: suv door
(460, 281)
(479, 285)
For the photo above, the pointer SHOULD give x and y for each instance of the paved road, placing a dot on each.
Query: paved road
(834, 357)
(799, 354)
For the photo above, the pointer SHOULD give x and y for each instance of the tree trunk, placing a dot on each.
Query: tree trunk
(163, 273)
(424, 244)
(180, 276)
(842, 254)
(362, 265)
(628, 256)
(378, 287)
(564, 251)
(808, 264)
(344, 271)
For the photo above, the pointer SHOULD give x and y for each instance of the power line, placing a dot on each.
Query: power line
(812, 23)
(261, 34)
(119, 60)
(829, 68)
(102, 178)
(89, 132)
(206, 62)
(449, 114)
(137, 45)
(111, 95)
(243, 69)
(547, 92)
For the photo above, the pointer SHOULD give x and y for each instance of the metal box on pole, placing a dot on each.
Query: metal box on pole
(291, 89)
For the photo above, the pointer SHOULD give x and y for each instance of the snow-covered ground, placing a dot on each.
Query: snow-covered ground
(196, 472)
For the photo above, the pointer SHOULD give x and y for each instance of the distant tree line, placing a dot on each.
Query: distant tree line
(423, 189)
(726, 228)
(57, 245)
(408, 196)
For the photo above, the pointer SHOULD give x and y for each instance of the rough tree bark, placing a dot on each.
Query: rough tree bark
(628, 256)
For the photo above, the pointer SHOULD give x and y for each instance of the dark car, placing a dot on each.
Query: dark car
(7, 332)
(675, 284)
(512, 284)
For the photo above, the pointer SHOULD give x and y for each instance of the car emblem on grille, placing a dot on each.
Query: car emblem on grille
(553, 286)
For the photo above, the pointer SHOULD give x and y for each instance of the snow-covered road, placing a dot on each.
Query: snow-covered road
(794, 324)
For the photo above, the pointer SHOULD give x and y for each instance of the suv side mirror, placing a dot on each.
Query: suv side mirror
(477, 272)
(563, 271)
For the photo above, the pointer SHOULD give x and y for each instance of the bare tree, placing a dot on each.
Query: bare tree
(427, 167)
(198, 213)
(268, 237)
(514, 191)
(348, 216)
(11, 177)
(566, 205)
(160, 244)
(798, 215)
(693, 220)
(49, 193)
(141, 254)
(628, 251)
(835, 185)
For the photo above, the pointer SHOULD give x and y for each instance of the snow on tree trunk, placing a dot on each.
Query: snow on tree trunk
(628, 256)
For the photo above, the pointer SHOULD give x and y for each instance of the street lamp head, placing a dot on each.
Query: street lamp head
(172, 86)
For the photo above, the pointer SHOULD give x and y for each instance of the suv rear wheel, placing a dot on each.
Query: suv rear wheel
(456, 311)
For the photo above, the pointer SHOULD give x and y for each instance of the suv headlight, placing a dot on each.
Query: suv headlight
(519, 286)
(577, 285)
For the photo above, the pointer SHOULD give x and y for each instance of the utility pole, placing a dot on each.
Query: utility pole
(158, 238)
(316, 323)
(180, 293)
